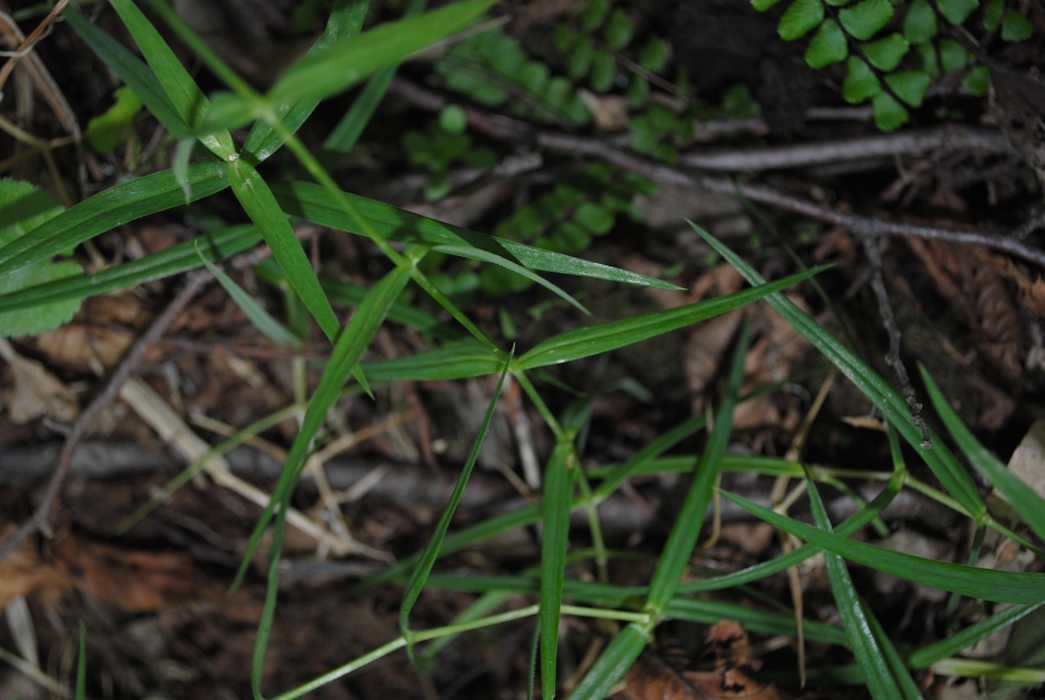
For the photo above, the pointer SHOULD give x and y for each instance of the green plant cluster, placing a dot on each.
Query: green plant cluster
(493, 70)
(893, 49)
(443, 144)
(37, 231)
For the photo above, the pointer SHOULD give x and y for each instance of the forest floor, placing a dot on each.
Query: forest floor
(934, 233)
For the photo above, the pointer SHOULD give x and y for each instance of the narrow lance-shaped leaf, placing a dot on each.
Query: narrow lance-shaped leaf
(592, 340)
(1027, 503)
(626, 646)
(345, 22)
(109, 209)
(870, 651)
(185, 95)
(417, 580)
(350, 345)
(258, 316)
(169, 261)
(312, 203)
(137, 76)
(257, 200)
(942, 462)
(987, 584)
(558, 480)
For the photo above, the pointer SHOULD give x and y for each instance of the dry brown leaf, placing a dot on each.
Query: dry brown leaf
(38, 393)
(79, 346)
(653, 678)
(22, 572)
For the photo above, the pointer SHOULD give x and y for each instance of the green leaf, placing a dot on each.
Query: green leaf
(919, 24)
(346, 353)
(618, 30)
(107, 210)
(593, 15)
(616, 659)
(860, 82)
(105, 131)
(889, 114)
(799, 18)
(261, 206)
(927, 59)
(871, 651)
(258, 316)
(892, 406)
(593, 340)
(178, 258)
(595, 218)
(1024, 500)
(185, 95)
(986, 584)
(909, 85)
(763, 5)
(23, 208)
(885, 54)
(977, 81)
(654, 55)
(1015, 27)
(827, 46)
(343, 64)
(955, 11)
(579, 61)
(865, 18)
(953, 55)
(603, 71)
(312, 203)
(345, 22)
(131, 71)
(992, 14)
(959, 641)
(555, 517)
(453, 119)
(459, 361)
(424, 567)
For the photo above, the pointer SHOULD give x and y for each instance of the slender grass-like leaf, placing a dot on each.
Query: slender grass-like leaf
(592, 340)
(344, 64)
(350, 345)
(343, 137)
(646, 456)
(345, 21)
(351, 295)
(184, 94)
(988, 584)
(107, 210)
(417, 580)
(1027, 503)
(872, 652)
(459, 361)
(169, 261)
(312, 203)
(626, 646)
(132, 71)
(683, 537)
(256, 198)
(709, 612)
(555, 517)
(959, 641)
(613, 663)
(256, 314)
(942, 462)
(500, 261)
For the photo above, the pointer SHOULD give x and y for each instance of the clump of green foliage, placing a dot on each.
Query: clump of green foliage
(894, 50)
(345, 56)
